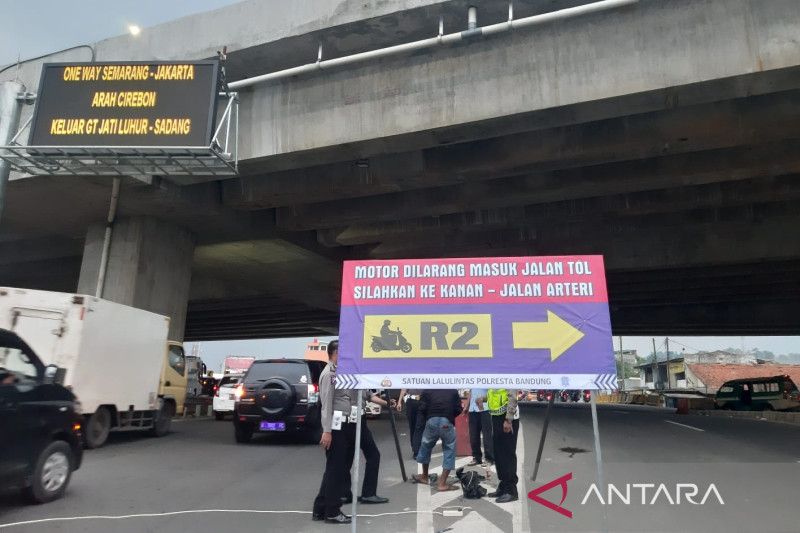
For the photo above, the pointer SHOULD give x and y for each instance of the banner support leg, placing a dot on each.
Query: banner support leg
(397, 444)
(598, 454)
(543, 437)
(356, 463)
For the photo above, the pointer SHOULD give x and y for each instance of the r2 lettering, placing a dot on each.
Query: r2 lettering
(436, 333)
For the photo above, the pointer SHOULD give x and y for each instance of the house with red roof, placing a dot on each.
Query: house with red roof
(708, 378)
(705, 372)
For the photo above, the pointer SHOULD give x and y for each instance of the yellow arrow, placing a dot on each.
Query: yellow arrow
(556, 335)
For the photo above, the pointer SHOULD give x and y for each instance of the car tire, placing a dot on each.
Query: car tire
(163, 423)
(219, 416)
(51, 474)
(243, 434)
(97, 427)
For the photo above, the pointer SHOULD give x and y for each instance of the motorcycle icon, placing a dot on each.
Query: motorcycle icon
(390, 340)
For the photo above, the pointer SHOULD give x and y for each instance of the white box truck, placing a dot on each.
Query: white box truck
(116, 359)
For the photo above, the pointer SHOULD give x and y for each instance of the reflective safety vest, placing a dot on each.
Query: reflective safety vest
(497, 400)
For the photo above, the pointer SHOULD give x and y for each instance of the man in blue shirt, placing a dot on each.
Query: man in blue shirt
(480, 421)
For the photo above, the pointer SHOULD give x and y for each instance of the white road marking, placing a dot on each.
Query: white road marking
(683, 425)
(424, 507)
(428, 500)
(475, 522)
(197, 511)
(519, 510)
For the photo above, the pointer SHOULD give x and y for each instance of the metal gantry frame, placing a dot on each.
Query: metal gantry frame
(219, 158)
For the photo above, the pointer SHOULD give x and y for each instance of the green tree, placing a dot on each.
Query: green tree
(626, 370)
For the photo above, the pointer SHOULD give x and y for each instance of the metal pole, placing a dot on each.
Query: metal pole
(451, 38)
(598, 454)
(655, 365)
(397, 444)
(472, 17)
(669, 378)
(356, 462)
(11, 101)
(622, 361)
(112, 213)
(544, 435)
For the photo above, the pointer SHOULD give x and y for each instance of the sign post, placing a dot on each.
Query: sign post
(598, 454)
(356, 463)
(397, 442)
(543, 437)
(10, 110)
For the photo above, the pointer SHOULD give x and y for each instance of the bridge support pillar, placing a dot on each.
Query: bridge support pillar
(149, 267)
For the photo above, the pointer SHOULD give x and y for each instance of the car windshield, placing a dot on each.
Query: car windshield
(228, 381)
(292, 371)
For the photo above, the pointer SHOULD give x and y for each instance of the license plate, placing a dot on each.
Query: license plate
(273, 426)
(231, 396)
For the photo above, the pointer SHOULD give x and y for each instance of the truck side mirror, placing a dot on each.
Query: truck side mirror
(54, 375)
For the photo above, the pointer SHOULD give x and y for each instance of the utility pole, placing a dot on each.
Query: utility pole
(669, 379)
(655, 365)
(622, 361)
(12, 97)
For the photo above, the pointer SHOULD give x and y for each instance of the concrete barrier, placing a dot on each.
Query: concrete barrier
(772, 416)
(197, 407)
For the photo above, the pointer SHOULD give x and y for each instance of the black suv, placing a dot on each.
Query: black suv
(279, 396)
(40, 428)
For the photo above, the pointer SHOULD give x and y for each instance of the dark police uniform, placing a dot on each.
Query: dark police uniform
(416, 424)
(502, 404)
(372, 457)
(328, 502)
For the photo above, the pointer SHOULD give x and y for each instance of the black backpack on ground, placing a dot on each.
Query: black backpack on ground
(471, 484)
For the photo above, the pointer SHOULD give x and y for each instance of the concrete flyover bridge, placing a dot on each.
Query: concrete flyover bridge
(662, 135)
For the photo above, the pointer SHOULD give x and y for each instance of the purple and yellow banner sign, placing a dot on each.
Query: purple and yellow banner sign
(502, 322)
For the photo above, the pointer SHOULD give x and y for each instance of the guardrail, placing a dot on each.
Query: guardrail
(786, 417)
(199, 406)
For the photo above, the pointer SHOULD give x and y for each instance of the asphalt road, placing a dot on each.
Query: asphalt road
(197, 479)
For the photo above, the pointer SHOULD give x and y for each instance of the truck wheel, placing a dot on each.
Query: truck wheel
(163, 422)
(243, 434)
(51, 473)
(97, 427)
(219, 416)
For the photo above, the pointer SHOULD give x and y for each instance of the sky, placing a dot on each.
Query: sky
(36, 27)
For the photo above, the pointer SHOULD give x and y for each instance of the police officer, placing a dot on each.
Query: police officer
(372, 456)
(339, 411)
(502, 404)
(416, 424)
